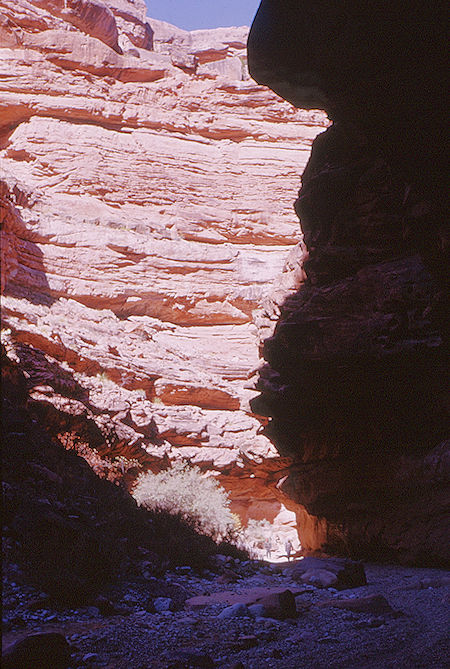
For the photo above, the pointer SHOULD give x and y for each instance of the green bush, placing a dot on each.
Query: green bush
(184, 491)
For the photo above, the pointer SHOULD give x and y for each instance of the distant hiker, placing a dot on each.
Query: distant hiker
(288, 547)
(268, 547)
(255, 551)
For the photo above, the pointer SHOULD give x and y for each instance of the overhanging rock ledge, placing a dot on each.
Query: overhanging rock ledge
(354, 381)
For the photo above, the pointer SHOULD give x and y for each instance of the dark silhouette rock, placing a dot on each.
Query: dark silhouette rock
(38, 651)
(364, 66)
(355, 382)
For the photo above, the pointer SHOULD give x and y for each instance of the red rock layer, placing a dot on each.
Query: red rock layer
(147, 213)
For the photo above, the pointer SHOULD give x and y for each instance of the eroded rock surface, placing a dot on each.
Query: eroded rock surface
(355, 381)
(146, 213)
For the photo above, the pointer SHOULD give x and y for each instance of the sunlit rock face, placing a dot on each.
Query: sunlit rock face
(147, 213)
(355, 376)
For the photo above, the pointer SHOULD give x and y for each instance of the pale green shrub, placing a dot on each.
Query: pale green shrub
(183, 490)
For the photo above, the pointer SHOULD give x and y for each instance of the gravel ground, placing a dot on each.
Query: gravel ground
(413, 635)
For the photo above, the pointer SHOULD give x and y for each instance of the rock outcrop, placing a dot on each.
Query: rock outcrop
(355, 380)
(146, 213)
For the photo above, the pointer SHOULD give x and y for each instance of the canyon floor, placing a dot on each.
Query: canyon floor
(408, 628)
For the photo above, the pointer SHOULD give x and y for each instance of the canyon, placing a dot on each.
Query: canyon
(162, 302)
(148, 236)
(151, 256)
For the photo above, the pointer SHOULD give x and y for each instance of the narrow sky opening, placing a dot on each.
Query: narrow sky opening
(197, 14)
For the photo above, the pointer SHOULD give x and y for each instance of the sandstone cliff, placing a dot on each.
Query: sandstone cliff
(355, 381)
(146, 213)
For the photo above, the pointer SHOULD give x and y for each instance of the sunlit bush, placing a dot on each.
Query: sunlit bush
(183, 490)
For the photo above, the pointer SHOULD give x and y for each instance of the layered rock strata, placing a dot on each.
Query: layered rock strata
(355, 376)
(146, 213)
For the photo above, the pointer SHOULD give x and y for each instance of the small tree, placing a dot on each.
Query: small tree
(184, 490)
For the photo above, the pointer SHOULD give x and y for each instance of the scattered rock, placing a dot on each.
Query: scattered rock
(185, 570)
(187, 659)
(17, 621)
(244, 642)
(302, 605)
(228, 576)
(373, 623)
(38, 603)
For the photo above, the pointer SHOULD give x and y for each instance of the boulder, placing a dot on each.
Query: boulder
(257, 610)
(329, 572)
(47, 650)
(321, 578)
(280, 605)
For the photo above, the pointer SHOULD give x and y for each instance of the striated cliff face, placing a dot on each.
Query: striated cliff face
(146, 191)
(355, 381)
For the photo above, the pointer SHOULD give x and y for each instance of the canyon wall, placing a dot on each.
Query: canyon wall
(146, 189)
(355, 381)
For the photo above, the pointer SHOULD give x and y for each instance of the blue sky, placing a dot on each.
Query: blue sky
(194, 14)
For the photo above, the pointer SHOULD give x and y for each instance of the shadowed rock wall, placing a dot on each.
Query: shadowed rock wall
(355, 376)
